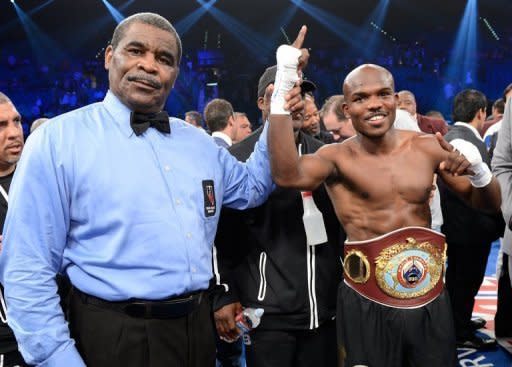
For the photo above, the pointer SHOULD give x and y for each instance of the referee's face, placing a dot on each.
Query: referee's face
(143, 67)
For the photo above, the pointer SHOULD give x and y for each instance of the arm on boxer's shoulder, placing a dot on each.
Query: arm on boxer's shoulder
(455, 170)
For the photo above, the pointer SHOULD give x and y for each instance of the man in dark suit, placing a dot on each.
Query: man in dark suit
(220, 119)
(469, 232)
(430, 125)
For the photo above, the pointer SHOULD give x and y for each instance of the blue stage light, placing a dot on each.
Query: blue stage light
(116, 14)
(463, 61)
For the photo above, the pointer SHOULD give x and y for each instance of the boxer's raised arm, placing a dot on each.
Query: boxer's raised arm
(288, 169)
(287, 105)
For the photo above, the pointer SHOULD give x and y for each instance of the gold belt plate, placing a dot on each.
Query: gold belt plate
(409, 270)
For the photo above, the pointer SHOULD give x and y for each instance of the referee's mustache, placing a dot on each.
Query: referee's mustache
(146, 79)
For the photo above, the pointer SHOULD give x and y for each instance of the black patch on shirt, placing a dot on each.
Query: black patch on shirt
(209, 198)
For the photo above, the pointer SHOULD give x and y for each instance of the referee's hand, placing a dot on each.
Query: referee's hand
(225, 321)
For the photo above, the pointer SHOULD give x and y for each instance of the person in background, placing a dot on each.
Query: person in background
(244, 126)
(11, 146)
(311, 123)
(335, 120)
(36, 123)
(491, 133)
(498, 108)
(469, 231)
(220, 119)
(194, 118)
(502, 168)
(407, 102)
(435, 114)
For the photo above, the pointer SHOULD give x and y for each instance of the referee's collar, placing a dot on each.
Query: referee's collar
(119, 112)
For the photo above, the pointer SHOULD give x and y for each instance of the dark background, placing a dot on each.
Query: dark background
(65, 33)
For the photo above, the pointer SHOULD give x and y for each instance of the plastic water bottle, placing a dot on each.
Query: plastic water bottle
(313, 221)
(248, 319)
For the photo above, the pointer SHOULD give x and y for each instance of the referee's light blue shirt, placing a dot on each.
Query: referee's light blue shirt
(124, 216)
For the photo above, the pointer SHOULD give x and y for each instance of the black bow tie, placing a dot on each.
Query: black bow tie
(140, 122)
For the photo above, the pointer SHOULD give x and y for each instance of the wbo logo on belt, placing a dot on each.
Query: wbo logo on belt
(409, 270)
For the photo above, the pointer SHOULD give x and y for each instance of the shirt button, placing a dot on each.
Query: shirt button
(167, 168)
(193, 269)
(178, 201)
(189, 235)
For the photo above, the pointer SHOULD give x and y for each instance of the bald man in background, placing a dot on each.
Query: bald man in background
(430, 125)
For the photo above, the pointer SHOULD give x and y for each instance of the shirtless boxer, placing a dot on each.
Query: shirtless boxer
(392, 307)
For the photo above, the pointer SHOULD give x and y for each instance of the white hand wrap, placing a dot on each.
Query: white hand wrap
(286, 77)
(483, 175)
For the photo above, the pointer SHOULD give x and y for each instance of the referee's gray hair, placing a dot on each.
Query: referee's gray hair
(151, 19)
(4, 98)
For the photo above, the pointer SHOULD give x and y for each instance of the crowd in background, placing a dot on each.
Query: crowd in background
(43, 89)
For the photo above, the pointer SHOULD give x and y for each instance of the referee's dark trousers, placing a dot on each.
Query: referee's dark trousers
(173, 332)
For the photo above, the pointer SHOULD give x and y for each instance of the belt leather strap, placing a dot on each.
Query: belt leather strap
(170, 308)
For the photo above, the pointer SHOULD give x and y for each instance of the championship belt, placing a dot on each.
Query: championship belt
(402, 269)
